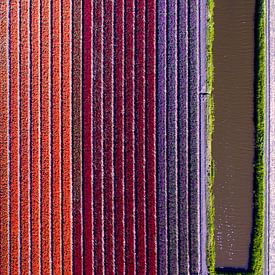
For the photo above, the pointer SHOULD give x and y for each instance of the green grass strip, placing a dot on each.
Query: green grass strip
(257, 251)
(210, 130)
(257, 256)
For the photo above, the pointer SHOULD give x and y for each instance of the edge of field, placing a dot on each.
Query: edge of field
(210, 130)
(257, 250)
(257, 254)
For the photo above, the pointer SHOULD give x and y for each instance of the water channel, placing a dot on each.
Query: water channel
(233, 141)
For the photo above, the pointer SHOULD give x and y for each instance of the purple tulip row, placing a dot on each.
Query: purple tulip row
(178, 136)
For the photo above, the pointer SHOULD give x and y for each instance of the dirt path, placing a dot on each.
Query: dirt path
(203, 136)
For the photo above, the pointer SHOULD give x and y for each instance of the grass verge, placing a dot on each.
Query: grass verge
(257, 249)
(210, 130)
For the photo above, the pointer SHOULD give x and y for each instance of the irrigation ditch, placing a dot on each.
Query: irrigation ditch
(256, 258)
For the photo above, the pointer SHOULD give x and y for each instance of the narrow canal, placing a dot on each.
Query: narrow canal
(233, 141)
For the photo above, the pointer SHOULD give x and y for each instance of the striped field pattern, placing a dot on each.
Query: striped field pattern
(100, 137)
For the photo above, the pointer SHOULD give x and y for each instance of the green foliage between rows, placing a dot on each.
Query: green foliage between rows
(210, 129)
(257, 250)
(257, 255)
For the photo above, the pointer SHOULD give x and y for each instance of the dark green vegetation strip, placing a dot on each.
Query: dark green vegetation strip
(257, 250)
(210, 129)
(258, 228)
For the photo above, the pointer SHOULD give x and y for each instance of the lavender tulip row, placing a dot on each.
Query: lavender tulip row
(178, 136)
